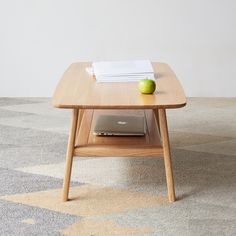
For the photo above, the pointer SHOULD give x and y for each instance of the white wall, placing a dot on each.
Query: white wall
(40, 38)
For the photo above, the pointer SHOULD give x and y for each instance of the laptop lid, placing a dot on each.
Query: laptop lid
(108, 125)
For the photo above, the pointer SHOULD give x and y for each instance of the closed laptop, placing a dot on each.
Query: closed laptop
(110, 125)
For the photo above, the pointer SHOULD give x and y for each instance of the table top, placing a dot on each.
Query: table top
(78, 89)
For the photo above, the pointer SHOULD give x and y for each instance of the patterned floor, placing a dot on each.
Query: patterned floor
(117, 196)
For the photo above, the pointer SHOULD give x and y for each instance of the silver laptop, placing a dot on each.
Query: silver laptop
(109, 125)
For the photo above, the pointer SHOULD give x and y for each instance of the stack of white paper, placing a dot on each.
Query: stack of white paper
(123, 71)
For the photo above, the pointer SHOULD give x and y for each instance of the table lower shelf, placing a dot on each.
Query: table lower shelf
(87, 144)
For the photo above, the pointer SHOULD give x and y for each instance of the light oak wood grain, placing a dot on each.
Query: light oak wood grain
(156, 113)
(70, 154)
(167, 154)
(88, 144)
(78, 89)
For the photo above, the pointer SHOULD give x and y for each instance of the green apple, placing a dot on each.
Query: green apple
(147, 86)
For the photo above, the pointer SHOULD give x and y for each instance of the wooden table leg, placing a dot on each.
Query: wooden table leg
(70, 154)
(156, 114)
(167, 154)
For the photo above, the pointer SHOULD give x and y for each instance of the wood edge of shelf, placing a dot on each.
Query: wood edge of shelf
(120, 151)
(174, 106)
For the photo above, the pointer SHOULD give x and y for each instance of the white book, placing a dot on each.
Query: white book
(116, 68)
(127, 78)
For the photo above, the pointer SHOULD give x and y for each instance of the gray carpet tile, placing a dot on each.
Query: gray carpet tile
(16, 157)
(179, 139)
(204, 173)
(210, 102)
(7, 101)
(202, 227)
(13, 182)
(25, 147)
(201, 161)
(10, 114)
(7, 146)
(59, 147)
(39, 122)
(178, 218)
(28, 137)
(219, 147)
(46, 222)
(38, 99)
(206, 177)
(45, 109)
(209, 120)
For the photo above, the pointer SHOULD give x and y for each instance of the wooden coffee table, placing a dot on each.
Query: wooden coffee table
(79, 91)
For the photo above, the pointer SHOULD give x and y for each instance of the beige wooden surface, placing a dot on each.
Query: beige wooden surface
(70, 154)
(77, 89)
(87, 144)
(167, 154)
